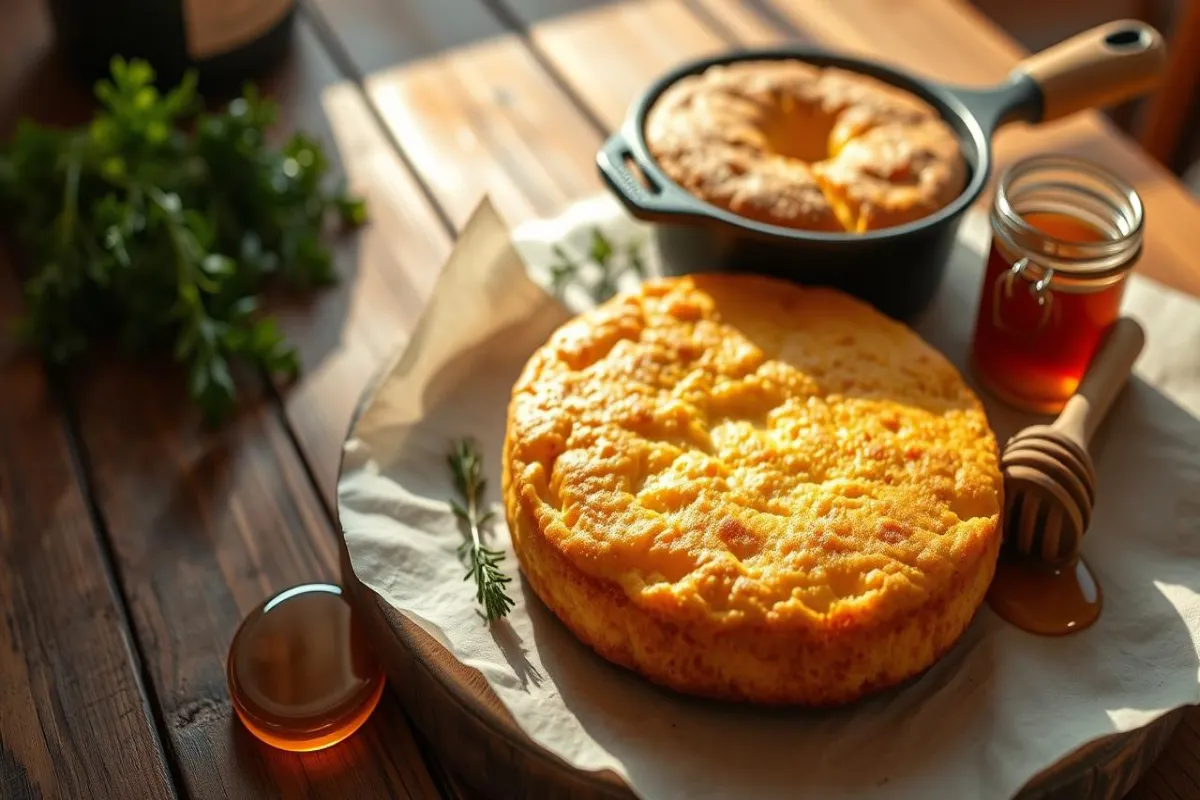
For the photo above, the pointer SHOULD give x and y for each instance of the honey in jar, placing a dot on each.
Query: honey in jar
(301, 674)
(1065, 234)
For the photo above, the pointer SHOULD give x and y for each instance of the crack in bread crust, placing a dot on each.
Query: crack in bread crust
(743, 488)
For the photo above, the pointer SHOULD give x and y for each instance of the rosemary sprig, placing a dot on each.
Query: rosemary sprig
(466, 466)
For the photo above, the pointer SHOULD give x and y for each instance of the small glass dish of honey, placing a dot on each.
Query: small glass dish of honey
(301, 674)
(1065, 235)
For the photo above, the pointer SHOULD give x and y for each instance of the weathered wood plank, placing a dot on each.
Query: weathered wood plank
(453, 96)
(459, 97)
(470, 105)
(1176, 774)
(204, 525)
(74, 718)
(70, 686)
(650, 36)
(385, 269)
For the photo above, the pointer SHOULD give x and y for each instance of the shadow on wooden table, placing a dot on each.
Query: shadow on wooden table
(332, 772)
(320, 313)
(46, 91)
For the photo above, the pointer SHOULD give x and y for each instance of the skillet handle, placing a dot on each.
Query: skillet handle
(649, 200)
(1099, 67)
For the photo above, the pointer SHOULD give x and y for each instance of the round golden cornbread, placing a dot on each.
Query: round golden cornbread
(792, 144)
(745, 489)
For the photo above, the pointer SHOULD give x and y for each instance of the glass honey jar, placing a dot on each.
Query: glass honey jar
(1065, 235)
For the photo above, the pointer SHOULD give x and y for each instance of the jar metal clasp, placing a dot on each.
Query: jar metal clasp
(1039, 289)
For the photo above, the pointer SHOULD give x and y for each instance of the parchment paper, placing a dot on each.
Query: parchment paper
(994, 712)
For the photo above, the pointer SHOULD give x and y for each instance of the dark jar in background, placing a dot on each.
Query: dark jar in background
(1065, 234)
(227, 42)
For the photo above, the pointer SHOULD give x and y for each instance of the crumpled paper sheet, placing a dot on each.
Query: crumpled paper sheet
(989, 716)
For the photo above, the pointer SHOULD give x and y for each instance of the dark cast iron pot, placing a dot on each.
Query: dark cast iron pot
(896, 269)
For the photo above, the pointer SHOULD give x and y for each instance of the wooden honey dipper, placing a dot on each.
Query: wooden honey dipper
(1049, 477)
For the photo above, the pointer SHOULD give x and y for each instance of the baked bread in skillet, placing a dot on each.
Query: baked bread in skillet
(791, 144)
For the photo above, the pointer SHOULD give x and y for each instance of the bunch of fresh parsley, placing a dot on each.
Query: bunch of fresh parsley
(159, 223)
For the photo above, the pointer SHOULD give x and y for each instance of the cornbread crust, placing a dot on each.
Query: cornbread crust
(745, 489)
(791, 144)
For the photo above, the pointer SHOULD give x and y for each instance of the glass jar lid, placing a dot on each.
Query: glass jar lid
(1073, 187)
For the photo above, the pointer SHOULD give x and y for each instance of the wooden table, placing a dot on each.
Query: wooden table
(132, 542)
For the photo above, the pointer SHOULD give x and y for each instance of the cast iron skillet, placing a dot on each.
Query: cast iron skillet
(897, 269)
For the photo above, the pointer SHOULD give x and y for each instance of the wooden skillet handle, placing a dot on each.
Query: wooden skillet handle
(1099, 67)
(1105, 376)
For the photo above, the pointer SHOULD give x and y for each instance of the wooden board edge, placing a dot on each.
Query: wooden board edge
(463, 719)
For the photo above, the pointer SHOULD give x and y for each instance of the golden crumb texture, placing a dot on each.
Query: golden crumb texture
(791, 144)
(745, 489)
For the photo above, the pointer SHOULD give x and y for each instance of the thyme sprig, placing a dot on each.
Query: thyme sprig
(483, 563)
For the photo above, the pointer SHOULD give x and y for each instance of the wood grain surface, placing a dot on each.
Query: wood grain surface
(385, 270)
(69, 681)
(469, 104)
(426, 105)
(232, 519)
(203, 527)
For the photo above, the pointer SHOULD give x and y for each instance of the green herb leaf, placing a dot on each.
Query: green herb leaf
(352, 210)
(610, 264)
(218, 265)
(633, 257)
(138, 229)
(601, 249)
(483, 564)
